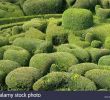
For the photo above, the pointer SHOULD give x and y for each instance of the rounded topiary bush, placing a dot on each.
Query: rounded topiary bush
(100, 77)
(22, 78)
(7, 66)
(42, 62)
(27, 43)
(35, 23)
(16, 30)
(105, 60)
(96, 44)
(81, 83)
(20, 56)
(84, 57)
(3, 41)
(82, 68)
(107, 43)
(9, 10)
(55, 33)
(52, 81)
(77, 19)
(45, 47)
(102, 13)
(33, 33)
(64, 60)
(96, 53)
(32, 7)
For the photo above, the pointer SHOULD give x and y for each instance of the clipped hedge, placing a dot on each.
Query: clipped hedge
(22, 78)
(82, 68)
(77, 19)
(20, 56)
(105, 60)
(31, 7)
(9, 10)
(100, 77)
(51, 81)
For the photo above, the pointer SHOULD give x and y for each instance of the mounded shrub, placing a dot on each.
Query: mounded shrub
(96, 44)
(6, 66)
(84, 57)
(45, 47)
(107, 43)
(31, 7)
(27, 43)
(34, 33)
(55, 33)
(103, 13)
(51, 81)
(42, 62)
(104, 3)
(16, 30)
(72, 39)
(88, 4)
(105, 60)
(100, 77)
(82, 68)
(22, 78)
(35, 23)
(9, 10)
(77, 19)
(80, 83)
(3, 41)
(64, 60)
(20, 56)
(100, 33)
(96, 53)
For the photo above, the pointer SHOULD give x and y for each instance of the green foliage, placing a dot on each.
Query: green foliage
(100, 77)
(107, 43)
(84, 57)
(34, 33)
(16, 30)
(105, 60)
(72, 39)
(64, 60)
(100, 32)
(3, 41)
(103, 13)
(88, 4)
(22, 78)
(45, 47)
(42, 62)
(32, 7)
(80, 83)
(6, 66)
(77, 19)
(39, 24)
(27, 43)
(82, 68)
(20, 56)
(56, 33)
(9, 10)
(96, 53)
(51, 81)
(104, 3)
(96, 44)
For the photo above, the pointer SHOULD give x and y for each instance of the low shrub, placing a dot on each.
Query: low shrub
(22, 78)
(20, 56)
(100, 77)
(71, 19)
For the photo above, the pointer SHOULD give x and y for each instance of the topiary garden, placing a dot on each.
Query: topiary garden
(57, 45)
